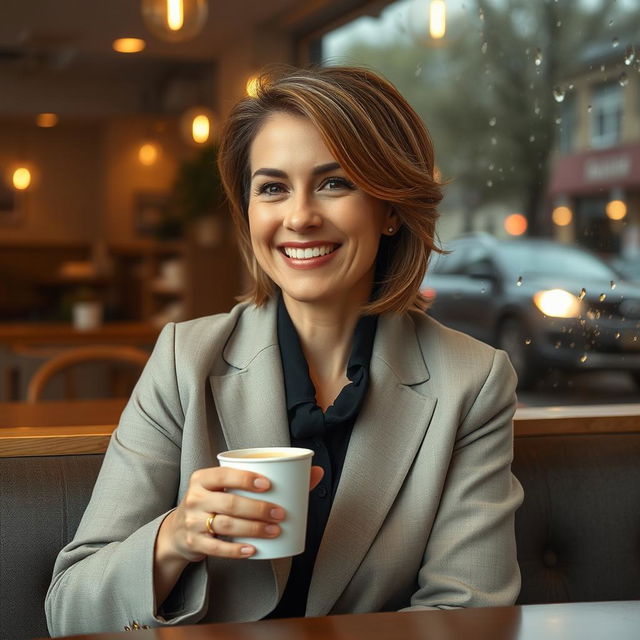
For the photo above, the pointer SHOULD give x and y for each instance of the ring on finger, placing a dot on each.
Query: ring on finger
(210, 522)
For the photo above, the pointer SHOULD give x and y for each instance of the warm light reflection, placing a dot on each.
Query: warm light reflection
(616, 209)
(437, 19)
(46, 120)
(129, 45)
(562, 216)
(21, 178)
(148, 154)
(252, 87)
(200, 128)
(557, 303)
(175, 14)
(515, 224)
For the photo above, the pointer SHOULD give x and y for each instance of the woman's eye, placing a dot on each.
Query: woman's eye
(270, 189)
(338, 183)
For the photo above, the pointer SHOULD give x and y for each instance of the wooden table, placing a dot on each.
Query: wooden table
(50, 428)
(583, 621)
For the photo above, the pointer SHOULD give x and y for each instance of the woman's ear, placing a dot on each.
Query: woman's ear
(391, 222)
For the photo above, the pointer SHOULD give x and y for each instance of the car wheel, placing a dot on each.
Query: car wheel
(512, 338)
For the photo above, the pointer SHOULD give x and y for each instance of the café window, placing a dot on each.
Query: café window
(606, 119)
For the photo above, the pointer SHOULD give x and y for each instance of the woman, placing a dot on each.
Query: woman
(330, 177)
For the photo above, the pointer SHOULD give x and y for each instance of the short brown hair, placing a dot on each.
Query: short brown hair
(382, 145)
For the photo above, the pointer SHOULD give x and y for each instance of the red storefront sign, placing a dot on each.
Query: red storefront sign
(595, 172)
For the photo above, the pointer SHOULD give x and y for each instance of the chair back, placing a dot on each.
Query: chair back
(66, 361)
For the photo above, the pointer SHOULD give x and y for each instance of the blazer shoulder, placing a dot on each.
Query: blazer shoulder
(454, 358)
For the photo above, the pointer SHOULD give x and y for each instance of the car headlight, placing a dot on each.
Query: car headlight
(557, 303)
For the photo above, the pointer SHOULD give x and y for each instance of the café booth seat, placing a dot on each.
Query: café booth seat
(578, 530)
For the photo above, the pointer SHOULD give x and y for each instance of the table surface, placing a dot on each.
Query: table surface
(581, 621)
(32, 334)
(54, 428)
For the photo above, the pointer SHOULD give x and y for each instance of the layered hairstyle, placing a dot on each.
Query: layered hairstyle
(379, 141)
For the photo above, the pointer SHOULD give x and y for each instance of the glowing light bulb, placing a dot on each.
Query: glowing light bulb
(175, 14)
(515, 224)
(437, 19)
(21, 178)
(148, 154)
(616, 209)
(562, 216)
(200, 128)
(252, 87)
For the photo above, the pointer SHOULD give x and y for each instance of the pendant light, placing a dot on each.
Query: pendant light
(175, 20)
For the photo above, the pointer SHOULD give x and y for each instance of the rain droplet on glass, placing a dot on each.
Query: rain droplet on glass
(615, 41)
(536, 110)
(583, 293)
(538, 58)
(558, 120)
(492, 122)
(603, 297)
(602, 67)
(484, 46)
(611, 23)
(623, 79)
(418, 70)
(617, 335)
(489, 183)
(559, 23)
(481, 14)
(494, 141)
(613, 284)
(583, 357)
(629, 56)
(589, 109)
(558, 345)
(491, 167)
(528, 341)
(558, 94)
(532, 138)
(519, 281)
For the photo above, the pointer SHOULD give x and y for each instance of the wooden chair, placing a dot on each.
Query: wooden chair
(64, 363)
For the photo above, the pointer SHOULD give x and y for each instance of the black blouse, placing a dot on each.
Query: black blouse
(326, 433)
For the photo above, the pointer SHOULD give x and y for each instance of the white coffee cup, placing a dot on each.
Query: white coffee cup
(288, 469)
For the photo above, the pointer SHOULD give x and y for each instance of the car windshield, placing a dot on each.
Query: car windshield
(541, 259)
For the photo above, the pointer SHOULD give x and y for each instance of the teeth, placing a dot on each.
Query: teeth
(305, 254)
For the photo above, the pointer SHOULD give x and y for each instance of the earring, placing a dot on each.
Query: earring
(390, 229)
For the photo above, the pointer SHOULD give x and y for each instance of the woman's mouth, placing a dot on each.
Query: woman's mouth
(309, 252)
(308, 257)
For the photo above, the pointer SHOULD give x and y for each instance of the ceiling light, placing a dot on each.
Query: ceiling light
(197, 125)
(21, 178)
(129, 45)
(175, 20)
(437, 19)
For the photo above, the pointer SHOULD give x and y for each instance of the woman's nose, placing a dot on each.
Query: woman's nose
(302, 214)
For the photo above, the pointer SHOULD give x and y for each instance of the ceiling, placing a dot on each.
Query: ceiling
(55, 55)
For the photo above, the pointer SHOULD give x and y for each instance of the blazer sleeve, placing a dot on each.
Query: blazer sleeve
(470, 558)
(103, 579)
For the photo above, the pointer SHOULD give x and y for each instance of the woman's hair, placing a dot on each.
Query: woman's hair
(379, 141)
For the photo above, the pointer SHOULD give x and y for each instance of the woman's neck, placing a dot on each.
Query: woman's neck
(326, 337)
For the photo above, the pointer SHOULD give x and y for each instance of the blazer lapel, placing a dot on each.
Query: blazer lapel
(251, 405)
(389, 430)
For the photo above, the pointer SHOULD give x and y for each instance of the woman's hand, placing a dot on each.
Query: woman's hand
(184, 534)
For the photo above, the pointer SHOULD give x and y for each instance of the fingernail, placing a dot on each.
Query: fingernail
(272, 529)
(261, 483)
(277, 513)
(246, 551)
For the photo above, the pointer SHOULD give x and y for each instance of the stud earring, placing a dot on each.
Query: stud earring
(390, 229)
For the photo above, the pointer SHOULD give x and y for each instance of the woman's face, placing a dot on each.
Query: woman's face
(313, 232)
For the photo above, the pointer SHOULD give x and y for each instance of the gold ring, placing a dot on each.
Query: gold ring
(210, 520)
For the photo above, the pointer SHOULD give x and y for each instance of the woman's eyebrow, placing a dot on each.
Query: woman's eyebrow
(278, 173)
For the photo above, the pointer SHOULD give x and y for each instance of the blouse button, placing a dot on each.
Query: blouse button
(322, 491)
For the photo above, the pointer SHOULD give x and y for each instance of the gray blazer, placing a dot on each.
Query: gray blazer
(423, 515)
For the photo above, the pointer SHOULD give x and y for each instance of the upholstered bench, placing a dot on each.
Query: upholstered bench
(578, 530)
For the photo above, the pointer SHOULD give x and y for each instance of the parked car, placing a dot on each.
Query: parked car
(546, 304)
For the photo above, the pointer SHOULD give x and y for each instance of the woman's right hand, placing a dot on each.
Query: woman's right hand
(184, 534)
(184, 531)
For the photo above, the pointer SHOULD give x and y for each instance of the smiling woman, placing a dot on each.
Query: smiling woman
(330, 175)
